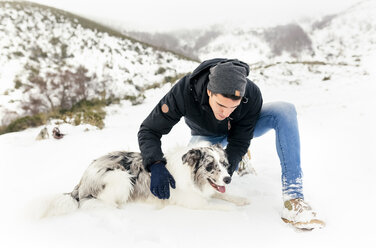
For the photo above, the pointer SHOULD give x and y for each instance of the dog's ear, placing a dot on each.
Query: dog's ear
(192, 157)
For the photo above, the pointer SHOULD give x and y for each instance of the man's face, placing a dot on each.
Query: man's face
(221, 106)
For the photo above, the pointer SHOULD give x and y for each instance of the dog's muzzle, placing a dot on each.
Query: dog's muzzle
(221, 189)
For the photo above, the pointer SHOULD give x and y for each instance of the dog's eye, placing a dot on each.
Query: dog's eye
(209, 167)
(225, 164)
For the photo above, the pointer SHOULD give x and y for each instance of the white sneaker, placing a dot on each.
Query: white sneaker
(299, 214)
(245, 166)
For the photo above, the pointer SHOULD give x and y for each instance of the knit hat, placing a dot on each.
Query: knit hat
(227, 78)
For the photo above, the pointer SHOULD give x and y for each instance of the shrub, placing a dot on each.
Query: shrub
(161, 70)
(24, 123)
(17, 84)
(59, 90)
(89, 112)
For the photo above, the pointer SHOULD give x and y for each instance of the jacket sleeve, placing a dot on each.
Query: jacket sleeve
(241, 132)
(160, 121)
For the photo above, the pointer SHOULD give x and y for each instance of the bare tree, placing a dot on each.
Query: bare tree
(58, 90)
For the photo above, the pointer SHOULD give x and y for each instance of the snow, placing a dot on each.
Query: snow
(336, 118)
(338, 138)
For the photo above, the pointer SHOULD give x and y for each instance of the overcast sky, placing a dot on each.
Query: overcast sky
(166, 15)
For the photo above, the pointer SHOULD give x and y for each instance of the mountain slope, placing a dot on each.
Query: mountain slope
(342, 37)
(348, 36)
(52, 58)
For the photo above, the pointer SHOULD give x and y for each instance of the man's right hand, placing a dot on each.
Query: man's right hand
(160, 181)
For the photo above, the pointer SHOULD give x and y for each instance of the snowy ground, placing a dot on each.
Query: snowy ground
(337, 120)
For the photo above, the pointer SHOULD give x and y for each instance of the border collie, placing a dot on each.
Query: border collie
(119, 177)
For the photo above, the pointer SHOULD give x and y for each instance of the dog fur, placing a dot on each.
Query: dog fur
(119, 177)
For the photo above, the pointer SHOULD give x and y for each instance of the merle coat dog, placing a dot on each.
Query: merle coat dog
(119, 177)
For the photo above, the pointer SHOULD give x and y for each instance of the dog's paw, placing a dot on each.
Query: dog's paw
(241, 201)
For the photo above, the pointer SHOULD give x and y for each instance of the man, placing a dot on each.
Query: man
(221, 105)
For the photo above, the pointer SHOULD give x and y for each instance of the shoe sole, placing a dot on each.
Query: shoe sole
(305, 226)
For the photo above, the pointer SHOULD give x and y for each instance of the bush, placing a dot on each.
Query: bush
(59, 90)
(160, 70)
(17, 84)
(24, 123)
(88, 112)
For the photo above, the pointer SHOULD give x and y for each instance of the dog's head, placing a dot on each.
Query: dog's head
(209, 167)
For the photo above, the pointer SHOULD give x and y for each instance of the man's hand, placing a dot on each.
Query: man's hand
(161, 180)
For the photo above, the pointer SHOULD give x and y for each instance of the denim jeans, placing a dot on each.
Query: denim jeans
(281, 117)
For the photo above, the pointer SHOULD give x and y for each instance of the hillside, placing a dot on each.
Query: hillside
(311, 52)
(343, 37)
(348, 37)
(52, 59)
(340, 38)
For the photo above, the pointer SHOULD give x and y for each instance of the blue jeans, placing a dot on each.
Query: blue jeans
(281, 117)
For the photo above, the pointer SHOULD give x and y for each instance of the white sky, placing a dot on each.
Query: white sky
(162, 15)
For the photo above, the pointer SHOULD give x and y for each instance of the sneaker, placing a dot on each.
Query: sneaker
(245, 165)
(299, 214)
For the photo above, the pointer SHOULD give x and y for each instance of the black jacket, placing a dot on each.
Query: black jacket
(189, 98)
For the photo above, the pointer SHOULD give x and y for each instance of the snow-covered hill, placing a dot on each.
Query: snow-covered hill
(347, 37)
(343, 37)
(41, 47)
(313, 52)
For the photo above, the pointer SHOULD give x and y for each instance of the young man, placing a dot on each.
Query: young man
(221, 105)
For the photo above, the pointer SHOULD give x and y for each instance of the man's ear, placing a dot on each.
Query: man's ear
(192, 157)
(209, 92)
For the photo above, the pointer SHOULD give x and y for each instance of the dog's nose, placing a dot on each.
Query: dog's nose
(227, 180)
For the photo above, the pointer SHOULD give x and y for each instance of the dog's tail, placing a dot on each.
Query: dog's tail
(53, 206)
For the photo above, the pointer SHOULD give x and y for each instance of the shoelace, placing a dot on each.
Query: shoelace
(300, 206)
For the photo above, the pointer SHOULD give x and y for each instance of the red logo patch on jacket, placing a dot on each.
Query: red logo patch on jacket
(165, 108)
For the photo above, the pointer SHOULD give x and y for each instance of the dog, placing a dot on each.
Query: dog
(119, 177)
(43, 134)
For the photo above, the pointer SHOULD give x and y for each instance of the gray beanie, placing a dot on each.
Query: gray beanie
(227, 78)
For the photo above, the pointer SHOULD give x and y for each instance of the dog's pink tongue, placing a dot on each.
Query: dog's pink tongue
(221, 189)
